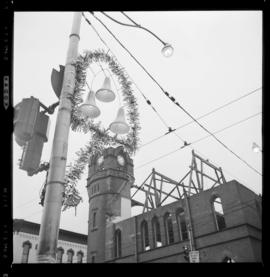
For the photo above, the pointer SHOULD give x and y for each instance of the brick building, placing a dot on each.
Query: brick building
(223, 223)
(71, 246)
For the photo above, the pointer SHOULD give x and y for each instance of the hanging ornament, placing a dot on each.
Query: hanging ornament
(89, 107)
(105, 93)
(119, 125)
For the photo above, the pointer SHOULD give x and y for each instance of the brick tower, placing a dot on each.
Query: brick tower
(108, 184)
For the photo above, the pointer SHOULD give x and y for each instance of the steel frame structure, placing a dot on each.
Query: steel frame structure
(194, 181)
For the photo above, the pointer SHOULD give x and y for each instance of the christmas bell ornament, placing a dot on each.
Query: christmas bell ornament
(119, 125)
(89, 107)
(105, 94)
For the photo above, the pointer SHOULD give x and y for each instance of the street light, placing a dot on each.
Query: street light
(256, 148)
(167, 49)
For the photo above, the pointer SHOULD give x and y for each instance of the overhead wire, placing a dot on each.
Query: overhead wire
(140, 91)
(227, 127)
(198, 140)
(136, 25)
(204, 115)
(237, 99)
(173, 98)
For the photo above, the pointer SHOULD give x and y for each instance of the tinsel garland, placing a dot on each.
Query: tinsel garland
(100, 137)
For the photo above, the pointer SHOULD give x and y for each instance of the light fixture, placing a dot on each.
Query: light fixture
(256, 148)
(119, 125)
(167, 50)
(89, 107)
(105, 94)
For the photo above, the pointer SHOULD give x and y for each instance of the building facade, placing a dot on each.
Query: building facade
(71, 248)
(222, 223)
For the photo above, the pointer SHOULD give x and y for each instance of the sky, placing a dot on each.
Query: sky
(217, 58)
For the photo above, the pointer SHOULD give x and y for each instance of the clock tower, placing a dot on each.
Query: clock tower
(108, 184)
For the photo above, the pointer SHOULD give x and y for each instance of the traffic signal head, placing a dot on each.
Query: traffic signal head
(25, 116)
(32, 154)
(32, 150)
(186, 253)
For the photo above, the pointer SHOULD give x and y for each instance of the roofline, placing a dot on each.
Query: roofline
(37, 225)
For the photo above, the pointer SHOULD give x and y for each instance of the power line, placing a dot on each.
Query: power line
(126, 50)
(170, 130)
(176, 103)
(143, 95)
(203, 116)
(196, 141)
(135, 25)
(230, 126)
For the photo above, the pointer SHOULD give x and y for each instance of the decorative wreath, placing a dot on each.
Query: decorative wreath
(100, 137)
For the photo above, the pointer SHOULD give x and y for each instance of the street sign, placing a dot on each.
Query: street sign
(194, 256)
(57, 80)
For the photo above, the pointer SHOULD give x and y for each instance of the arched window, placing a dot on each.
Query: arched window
(156, 232)
(70, 254)
(117, 243)
(182, 226)
(168, 228)
(26, 249)
(59, 255)
(79, 257)
(145, 236)
(218, 213)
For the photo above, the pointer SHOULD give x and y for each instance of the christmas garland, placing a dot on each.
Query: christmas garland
(100, 137)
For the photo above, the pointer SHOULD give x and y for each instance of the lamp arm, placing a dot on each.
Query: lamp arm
(129, 18)
(136, 26)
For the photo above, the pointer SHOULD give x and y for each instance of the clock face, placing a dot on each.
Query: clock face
(121, 160)
(100, 160)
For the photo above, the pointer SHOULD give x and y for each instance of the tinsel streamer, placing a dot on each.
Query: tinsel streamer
(100, 138)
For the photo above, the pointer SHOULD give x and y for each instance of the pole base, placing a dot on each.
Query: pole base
(45, 259)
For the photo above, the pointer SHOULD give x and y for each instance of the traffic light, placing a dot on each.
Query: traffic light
(25, 116)
(32, 150)
(186, 253)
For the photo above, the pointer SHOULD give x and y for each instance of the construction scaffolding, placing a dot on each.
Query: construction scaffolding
(159, 189)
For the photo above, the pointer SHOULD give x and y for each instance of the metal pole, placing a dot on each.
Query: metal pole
(190, 229)
(49, 228)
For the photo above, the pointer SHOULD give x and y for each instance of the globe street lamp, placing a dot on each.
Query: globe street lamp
(256, 148)
(167, 49)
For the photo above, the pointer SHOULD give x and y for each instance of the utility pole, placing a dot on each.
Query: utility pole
(49, 228)
(190, 229)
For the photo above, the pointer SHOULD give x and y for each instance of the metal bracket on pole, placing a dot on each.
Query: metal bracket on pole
(51, 108)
